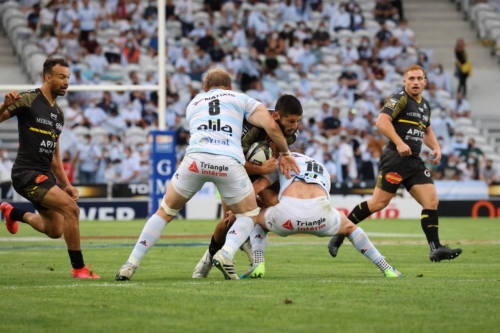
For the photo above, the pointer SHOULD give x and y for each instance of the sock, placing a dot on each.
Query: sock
(17, 214)
(258, 237)
(76, 259)
(237, 235)
(148, 238)
(214, 246)
(363, 244)
(430, 225)
(359, 213)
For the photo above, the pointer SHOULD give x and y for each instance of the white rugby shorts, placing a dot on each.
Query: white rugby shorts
(225, 172)
(303, 216)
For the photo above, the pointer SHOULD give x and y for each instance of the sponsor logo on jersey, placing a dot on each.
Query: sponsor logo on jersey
(53, 116)
(208, 140)
(44, 121)
(393, 178)
(425, 106)
(210, 169)
(59, 127)
(420, 109)
(427, 173)
(40, 178)
(288, 225)
(193, 167)
(232, 232)
(214, 125)
(311, 225)
(143, 243)
(392, 103)
(196, 103)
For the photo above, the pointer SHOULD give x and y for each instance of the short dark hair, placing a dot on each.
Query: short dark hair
(288, 105)
(50, 63)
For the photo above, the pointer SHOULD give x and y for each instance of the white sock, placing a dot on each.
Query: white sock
(237, 235)
(363, 244)
(150, 234)
(258, 237)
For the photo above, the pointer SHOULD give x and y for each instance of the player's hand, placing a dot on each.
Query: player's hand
(403, 149)
(230, 218)
(437, 156)
(287, 164)
(72, 192)
(269, 166)
(275, 149)
(11, 98)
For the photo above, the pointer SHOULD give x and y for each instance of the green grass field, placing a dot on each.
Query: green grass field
(325, 294)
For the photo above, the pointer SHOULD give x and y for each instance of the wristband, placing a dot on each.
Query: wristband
(284, 152)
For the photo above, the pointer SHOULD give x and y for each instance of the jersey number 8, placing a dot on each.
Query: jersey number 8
(213, 107)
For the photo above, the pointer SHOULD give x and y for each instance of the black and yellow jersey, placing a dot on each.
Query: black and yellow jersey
(39, 125)
(251, 134)
(410, 119)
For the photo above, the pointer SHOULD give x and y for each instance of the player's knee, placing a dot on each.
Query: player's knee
(55, 233)
(378, 205)
(432, 204)
(72, 210)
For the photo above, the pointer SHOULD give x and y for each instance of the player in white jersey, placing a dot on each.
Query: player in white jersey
(215, 155)
(304, 208)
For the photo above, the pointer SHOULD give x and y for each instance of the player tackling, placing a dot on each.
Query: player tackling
(215, 120)
(40, 122)
(304, 208)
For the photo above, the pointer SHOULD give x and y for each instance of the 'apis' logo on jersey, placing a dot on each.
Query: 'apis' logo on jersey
(214, 125)
(48, 144)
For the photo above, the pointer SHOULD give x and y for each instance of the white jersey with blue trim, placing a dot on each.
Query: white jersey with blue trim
(311, 172)
(215, 121)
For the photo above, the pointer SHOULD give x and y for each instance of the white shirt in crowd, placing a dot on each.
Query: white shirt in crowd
(95, 115)
(129, 165)
(49, 44)
(87, 18)
(120, 99)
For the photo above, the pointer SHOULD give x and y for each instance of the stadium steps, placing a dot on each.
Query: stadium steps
(10, 68)
(9, 137)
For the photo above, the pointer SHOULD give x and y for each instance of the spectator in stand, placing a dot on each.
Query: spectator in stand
(340, 90)
(304, 89)
(149, 27)
(441, 79)
(262, 95)
(229, 13)
(90, 44)
(131, 115)
(250, 70)
(34, 17)
(330, 166)
(473, 153)
(287, 11)
(260, 43)
(348, 53)
(207, 41)
(352, 124)
(104, 14)
(324, 113)
(97, 63)
(443, 126)
(403, 61)
(321, 37)
(49, 43)
(346, 157)
(307, 60)
(293, 54)
(357, 19)
(5, 163)
(350, 76)
(73, 115)
(184, 61)
(198, 33)
(130, 167)
(66, 19)
(340, 20)
(94, 115)
(316, 148)
(364, 49)
(216, 53)
(69, 163)
(383, 35)
(463, 67)
(183, 11)
(107, 104)
(488, 173)
(376, 143)
(87, 16)
(423, 61)
(384, 11)
(431, 96)
(458, 144)
(459, 107)
(201, 62)
(89, 157)
(71, 46)
(467, 169)
(237, 35)
(288, 35)
(234, 64)
(149, 116)
(46, 19)
(371, 84)
(276, 45)
(425, 156)
(175, 51)
(180, 81)
(257, 22)
(449, 170)
(112, 52)
(130, 54)
(377, 70)
(404, 34)
(115, 124)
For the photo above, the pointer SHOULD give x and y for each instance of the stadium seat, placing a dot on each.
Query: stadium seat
(463, 122)
(80, 131)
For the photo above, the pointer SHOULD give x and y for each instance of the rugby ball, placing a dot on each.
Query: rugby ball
(259, 152)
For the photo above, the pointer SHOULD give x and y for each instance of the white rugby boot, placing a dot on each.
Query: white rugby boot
(204, 266)
(126, 272)
(225, 265)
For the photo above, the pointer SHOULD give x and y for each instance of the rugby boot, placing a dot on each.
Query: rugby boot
(444, 253)
(126, 272)
(12, 226)
(392, 272)
(225, 265)
(334, 244)
(247, 248)
(204, 266)
(84, 273)
(256, 271)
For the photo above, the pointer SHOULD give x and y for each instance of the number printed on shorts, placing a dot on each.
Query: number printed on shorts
(213, 107)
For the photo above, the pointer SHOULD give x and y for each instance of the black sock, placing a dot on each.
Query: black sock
(359, 213)
(17, 214)
(76, 259)
(430, 226)
(214, 246)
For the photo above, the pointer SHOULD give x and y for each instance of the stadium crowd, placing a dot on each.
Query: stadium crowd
(341, 59)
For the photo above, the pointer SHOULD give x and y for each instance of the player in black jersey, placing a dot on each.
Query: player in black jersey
(287, 113)
(405, 120)
(40, 122)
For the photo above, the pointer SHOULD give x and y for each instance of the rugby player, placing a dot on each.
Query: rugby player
(40, 122)
(406, 121)
(215, 155)
(287, 113)
(304, 208)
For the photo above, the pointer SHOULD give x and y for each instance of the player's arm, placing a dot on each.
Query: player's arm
(10, 98)
(391, 110)
(261, 184)
(254, 169)
(261, 118)
(431, 142)
(58, 170)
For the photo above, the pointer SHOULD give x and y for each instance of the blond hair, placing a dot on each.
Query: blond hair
(217, 78)
(415, 68)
